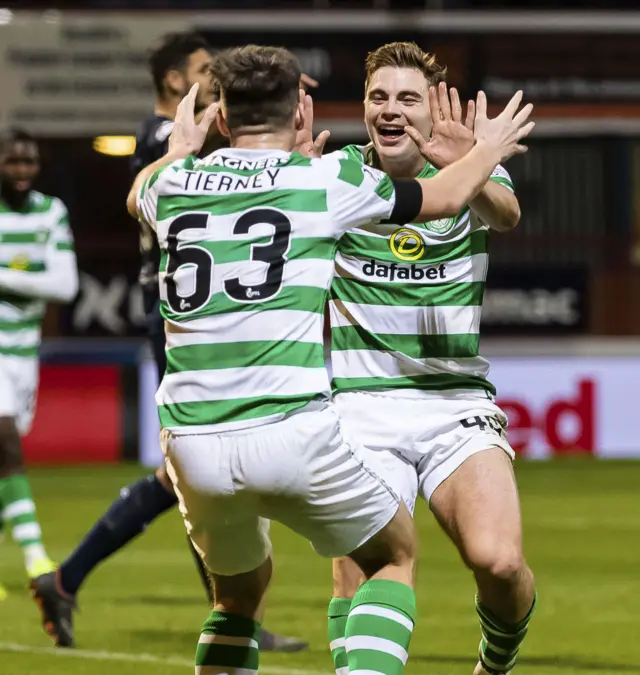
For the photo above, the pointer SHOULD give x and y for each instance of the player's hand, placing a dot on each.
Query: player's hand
(304, 143)
(504, 132)
(451, 138)
(188, 136)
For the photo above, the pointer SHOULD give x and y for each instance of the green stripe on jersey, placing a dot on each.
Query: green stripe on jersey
(20, 324)
(457, 294)
(346, 338)
(308, 201)
(365, 246)
(385, 188)
(243, 354)
(25, 352)
(221, 411)
(351, 172)
(26, 237)
(302, 298)
(428, 382)
(64, 246)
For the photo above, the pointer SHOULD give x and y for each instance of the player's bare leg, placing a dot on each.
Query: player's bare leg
(383, 605)
(230, 636)
(382, 613)
(478, 507)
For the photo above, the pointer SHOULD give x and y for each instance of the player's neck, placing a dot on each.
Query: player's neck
(278, 140)
(402, 167)
(166, 107)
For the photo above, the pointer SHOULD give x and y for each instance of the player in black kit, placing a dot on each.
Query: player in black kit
(177, 62)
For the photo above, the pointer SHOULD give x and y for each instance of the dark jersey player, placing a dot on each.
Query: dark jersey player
(177, 62)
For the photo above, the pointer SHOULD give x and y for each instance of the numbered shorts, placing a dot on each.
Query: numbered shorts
(301, 472)
(416, 444)
(18, 390)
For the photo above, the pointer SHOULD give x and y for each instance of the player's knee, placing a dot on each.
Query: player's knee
(394, 547)
(502, 561)
(10, 447)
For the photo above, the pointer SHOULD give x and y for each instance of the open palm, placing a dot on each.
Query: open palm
(451, 138)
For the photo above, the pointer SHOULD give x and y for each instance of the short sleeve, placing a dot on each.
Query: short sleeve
(501, 175)
(361, 195)
(158, 185)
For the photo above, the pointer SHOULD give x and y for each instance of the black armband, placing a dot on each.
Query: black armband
(408, 201)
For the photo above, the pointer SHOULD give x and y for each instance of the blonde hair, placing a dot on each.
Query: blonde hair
(404, 55)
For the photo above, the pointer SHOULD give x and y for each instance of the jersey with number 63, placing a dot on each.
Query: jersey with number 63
(248, 239)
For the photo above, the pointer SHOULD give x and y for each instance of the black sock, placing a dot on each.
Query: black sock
(138, 505)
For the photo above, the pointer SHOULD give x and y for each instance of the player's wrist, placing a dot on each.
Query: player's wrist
(488, 150)
(180, 151)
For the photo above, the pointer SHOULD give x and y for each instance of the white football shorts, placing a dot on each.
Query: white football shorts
(301, 472)
(18, 390)
(416, 443)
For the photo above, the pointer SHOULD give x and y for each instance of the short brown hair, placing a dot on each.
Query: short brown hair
(259, 85)
(404, 55)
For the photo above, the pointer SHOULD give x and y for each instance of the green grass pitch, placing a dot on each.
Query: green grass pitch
(141, 611)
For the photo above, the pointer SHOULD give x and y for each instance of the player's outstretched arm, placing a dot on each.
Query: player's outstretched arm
(187, 138)
(447, 193)
(451, 139)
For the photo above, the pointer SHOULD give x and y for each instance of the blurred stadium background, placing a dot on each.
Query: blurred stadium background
(561, 321)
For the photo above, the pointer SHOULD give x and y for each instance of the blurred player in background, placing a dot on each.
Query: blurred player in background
(177, 62)
(37, 265)
(408, 378)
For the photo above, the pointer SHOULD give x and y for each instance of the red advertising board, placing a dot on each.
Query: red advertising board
(78, 416)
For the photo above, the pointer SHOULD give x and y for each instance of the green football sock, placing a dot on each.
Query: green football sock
(379, 627)
(228, 644)
(19, 514)
(500, 641)
(338, 612)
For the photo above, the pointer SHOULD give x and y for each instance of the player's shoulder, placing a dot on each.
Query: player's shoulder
(364, 154)
(154, 129)
(351, 164)
(151, 141)
(44, 203)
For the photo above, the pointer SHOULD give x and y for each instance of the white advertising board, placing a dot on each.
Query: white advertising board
(555, 405)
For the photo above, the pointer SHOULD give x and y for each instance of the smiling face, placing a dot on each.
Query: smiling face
(396, 97)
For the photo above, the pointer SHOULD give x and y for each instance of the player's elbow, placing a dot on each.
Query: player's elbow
(507, 218)
(67, 290)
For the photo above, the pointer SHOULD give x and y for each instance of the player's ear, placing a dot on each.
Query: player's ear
(222, 122)
(176, 82)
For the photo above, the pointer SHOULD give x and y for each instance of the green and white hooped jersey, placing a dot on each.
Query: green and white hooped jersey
(406, 302)
(28, 238)
(248, 241)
